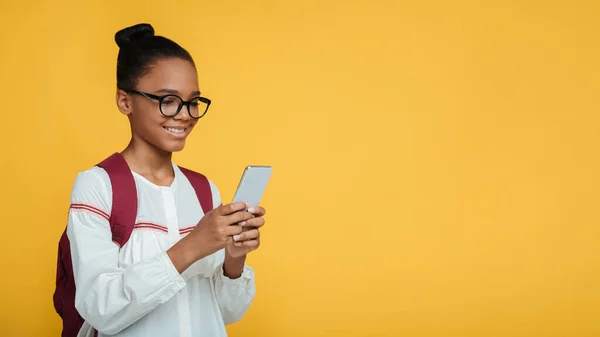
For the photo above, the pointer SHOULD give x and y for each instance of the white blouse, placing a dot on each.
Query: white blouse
(136, 290)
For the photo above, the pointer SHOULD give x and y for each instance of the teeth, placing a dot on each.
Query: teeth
(175, 130)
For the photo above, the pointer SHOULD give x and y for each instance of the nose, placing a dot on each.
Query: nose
(184, 114)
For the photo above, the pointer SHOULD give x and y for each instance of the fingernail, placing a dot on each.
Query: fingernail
(236, 237)
(252, 209)
(242, 223)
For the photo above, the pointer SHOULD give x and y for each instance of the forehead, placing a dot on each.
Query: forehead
(172, 73)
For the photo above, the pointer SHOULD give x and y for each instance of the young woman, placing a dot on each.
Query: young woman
(182, 272)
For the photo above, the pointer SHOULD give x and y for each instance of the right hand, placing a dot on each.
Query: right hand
(215, 230)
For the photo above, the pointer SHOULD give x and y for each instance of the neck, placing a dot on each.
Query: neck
(148, 160)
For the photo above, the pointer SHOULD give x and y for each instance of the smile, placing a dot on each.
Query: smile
(174, 130)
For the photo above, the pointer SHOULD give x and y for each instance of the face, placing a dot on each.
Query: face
(148, 125)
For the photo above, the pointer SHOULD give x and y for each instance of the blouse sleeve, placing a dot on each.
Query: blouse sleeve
(110, 297)
(234, 296)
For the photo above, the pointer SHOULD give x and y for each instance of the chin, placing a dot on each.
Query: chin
(176, 147)
(169, 146)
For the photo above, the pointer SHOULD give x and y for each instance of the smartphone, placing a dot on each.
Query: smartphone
(253, 184)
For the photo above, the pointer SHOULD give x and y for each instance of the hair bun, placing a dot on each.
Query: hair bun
(127, 35)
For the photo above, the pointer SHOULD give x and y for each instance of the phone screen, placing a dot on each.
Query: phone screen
(253, 184)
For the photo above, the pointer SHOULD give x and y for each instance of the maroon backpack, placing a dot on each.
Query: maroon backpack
(122, 220)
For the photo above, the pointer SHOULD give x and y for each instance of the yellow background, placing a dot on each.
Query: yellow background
(436, 162)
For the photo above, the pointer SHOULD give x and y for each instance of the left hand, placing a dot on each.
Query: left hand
(249, 240)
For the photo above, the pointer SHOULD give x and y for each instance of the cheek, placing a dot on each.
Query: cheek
(145, 119)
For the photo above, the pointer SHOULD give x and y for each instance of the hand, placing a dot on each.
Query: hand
(249, 239)
(215, 230)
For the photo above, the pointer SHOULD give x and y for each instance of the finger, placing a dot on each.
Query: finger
(257, 210)
(238, 218)
(254, 222)
(232, 208)
(233, 230)
(245, 236)
(252, 244)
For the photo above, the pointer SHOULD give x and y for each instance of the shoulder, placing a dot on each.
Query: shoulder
(190, 174)
(92, 186)
(216, 194)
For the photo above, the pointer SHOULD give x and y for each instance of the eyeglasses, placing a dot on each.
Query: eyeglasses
(170, 105)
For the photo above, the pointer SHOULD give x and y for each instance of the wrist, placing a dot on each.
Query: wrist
(196, 248)
(184, 253)
(233, 267)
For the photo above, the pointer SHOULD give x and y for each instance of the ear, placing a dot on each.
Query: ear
(124, 102)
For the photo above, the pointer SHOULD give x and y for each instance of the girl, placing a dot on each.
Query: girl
(162, 282)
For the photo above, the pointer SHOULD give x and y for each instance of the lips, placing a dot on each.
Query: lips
(178, 133)
(175, 130)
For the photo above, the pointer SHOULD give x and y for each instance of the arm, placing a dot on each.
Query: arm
(233, 280)
(234, 292)
(108, 296)
(205, 266)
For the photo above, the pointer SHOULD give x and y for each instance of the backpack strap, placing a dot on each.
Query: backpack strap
(124, 201)
(202, 188)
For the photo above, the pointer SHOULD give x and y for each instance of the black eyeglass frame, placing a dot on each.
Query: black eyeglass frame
(183, 102)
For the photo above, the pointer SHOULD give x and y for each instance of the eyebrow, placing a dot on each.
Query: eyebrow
(173, 91)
